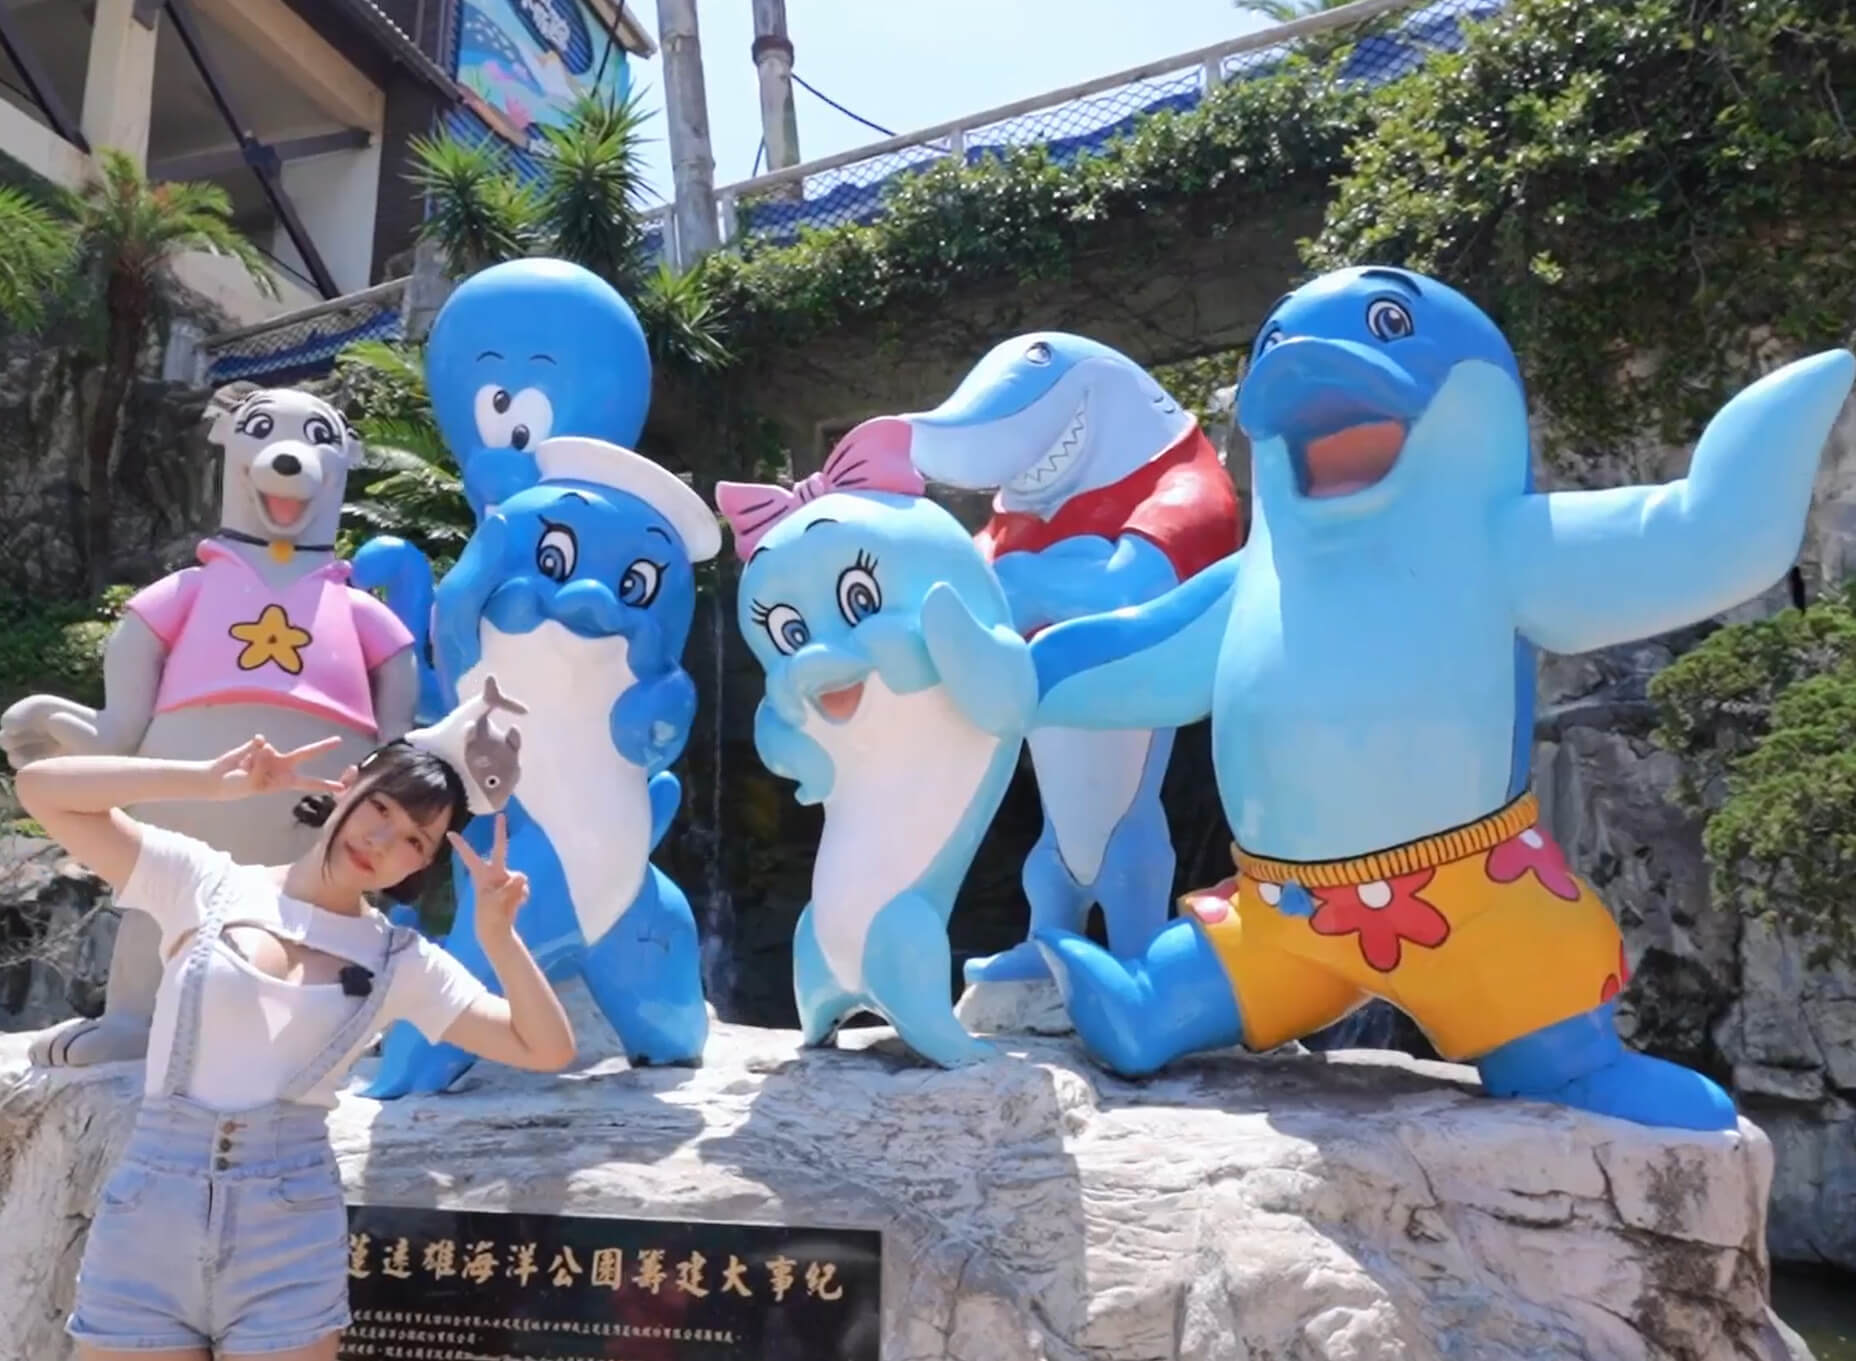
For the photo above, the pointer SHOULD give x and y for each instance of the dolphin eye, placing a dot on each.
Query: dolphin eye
(508, 420)
(859, 596)
(786, 627)
(1388, 320)
(317, 430)
(557, 553)
(1038, 353)
(638, 587)
(1269, 342)
(258, 426)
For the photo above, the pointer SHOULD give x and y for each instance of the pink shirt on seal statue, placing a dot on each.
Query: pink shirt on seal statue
(231, 639)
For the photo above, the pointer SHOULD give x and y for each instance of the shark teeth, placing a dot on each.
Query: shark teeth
(1056, 460)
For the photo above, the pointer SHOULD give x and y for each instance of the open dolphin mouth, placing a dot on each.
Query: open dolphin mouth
(1051, 466)
(1349, 459)
(1342, 410)
(840, 705)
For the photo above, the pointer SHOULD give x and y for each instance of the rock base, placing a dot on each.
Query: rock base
(1342, 1205)
(1032, 1007)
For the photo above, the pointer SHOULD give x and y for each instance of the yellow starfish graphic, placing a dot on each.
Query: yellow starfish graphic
(271, 637)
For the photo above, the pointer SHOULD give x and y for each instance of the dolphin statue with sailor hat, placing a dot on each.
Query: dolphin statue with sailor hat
(577, 594)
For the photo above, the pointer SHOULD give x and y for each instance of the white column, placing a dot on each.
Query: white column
(119, 84)
(334, 194)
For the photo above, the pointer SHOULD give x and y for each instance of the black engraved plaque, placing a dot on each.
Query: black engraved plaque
(462, 1285)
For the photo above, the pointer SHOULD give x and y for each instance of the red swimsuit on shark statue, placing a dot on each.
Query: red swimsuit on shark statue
(1181, 501)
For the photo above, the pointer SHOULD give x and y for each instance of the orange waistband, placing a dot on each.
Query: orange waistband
(1426, 853)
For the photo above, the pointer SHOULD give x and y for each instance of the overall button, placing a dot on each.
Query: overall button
(221, 1163)
(225, 1145)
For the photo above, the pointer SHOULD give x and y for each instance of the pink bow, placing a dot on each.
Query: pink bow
(872, 457)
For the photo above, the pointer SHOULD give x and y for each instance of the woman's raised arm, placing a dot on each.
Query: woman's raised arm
(79, 799)
(526, 1027)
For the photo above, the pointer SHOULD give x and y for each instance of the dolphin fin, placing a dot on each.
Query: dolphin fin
(1147, 667)
(1587, 569)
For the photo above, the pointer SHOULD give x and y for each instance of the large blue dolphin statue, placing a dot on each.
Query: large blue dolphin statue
(1368, 662)
(580, 590)
(897, 697)
(1107, 494)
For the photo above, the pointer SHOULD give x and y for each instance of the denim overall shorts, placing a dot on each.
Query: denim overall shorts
(224, 1229)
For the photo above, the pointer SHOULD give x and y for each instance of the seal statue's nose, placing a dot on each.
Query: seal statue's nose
(287, 464)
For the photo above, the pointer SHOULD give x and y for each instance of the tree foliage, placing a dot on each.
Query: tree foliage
(1024, 215)
(98, 263)
(1641, 193)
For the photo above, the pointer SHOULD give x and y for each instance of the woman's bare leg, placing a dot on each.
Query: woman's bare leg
(315, 1351)
(88, 1353)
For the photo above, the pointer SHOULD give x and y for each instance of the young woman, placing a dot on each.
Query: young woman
(222, 1232)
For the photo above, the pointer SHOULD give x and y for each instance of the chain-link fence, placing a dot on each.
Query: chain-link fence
(304, 344)
(1385, 45)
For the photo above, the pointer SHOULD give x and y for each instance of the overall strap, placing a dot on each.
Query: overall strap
(185, 1042)
(358, 1029)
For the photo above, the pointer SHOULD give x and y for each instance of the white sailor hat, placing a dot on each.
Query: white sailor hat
(576, 458)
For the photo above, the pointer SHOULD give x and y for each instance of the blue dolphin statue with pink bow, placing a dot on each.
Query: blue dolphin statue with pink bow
(898, 695)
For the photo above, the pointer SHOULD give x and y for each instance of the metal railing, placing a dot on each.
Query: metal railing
(306, 340)
(851, 187)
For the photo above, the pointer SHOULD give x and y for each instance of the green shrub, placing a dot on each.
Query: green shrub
(56, 647)
(1763, 715)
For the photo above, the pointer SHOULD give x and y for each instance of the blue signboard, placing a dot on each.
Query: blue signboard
(523, 63)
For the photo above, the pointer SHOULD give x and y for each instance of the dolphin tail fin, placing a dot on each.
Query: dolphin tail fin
(403, 575)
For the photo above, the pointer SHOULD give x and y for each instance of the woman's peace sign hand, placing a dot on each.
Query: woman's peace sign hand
(500, 893)
(257, 767)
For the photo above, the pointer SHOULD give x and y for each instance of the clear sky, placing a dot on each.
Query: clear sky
(909, 64)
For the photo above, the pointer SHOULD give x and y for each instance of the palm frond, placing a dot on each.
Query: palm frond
(401, 443)
(683, 321)
(36, 247)
(595, 186)
(481, 214)
(129, 230)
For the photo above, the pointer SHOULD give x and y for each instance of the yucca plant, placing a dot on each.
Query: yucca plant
(594, 192)
(588, 208)
(478, 213)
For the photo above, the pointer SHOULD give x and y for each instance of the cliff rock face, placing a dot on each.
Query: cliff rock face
(57, 926)
(1754, 1005)
(166, 477)
(1345, 1206)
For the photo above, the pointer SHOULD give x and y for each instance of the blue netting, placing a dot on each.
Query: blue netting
(1384, 49)
(297, 351)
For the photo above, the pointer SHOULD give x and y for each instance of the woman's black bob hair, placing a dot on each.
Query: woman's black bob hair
(421, 783)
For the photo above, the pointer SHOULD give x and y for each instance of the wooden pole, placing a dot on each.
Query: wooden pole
(773, 59)
(686, 111)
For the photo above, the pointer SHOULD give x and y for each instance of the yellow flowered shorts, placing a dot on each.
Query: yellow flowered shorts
(1481, 935)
